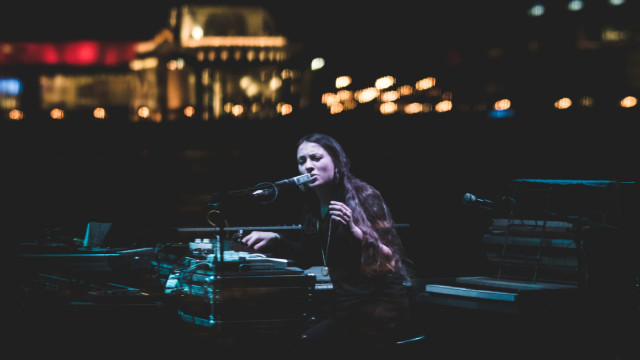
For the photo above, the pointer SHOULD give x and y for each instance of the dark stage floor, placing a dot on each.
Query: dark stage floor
(147, 325)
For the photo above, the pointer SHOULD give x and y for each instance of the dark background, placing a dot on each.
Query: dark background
(150, 178)
(147, 179)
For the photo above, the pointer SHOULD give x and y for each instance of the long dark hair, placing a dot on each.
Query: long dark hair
(370, 212)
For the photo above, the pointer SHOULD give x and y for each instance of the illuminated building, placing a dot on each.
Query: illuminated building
(210, 62)
(213, 62)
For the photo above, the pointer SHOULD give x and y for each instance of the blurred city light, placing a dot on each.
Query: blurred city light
(343, 81)
(444, 106)
(384, 82)
(317, 63)
(503, 104)
(563, 103)
(575, 5)
(99, 113)
(366, 95)
(425, 83)
(536, 10)
(57, 113)
(629, 101)
(10, 86)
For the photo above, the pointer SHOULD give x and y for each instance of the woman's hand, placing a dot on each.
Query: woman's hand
(259, 239)
(341, 212)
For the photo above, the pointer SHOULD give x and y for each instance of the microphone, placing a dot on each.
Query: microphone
(472, 200)
(505, 203)
(300, 181)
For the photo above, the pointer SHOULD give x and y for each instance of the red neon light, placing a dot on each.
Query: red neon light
(49, 54)
(81, 52)
(75, 53)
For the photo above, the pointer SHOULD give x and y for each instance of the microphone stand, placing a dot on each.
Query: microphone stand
(268, 189)
(218, 258)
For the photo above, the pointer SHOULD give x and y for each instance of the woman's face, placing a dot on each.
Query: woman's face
(314, 160)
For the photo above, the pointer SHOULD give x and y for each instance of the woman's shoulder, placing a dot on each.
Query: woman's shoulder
(369, 195)
(365, 190)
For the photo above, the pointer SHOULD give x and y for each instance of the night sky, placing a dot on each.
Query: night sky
(121, 19)
(359, 26)
(400, 34)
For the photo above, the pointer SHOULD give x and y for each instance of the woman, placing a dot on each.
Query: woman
(348, 229)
